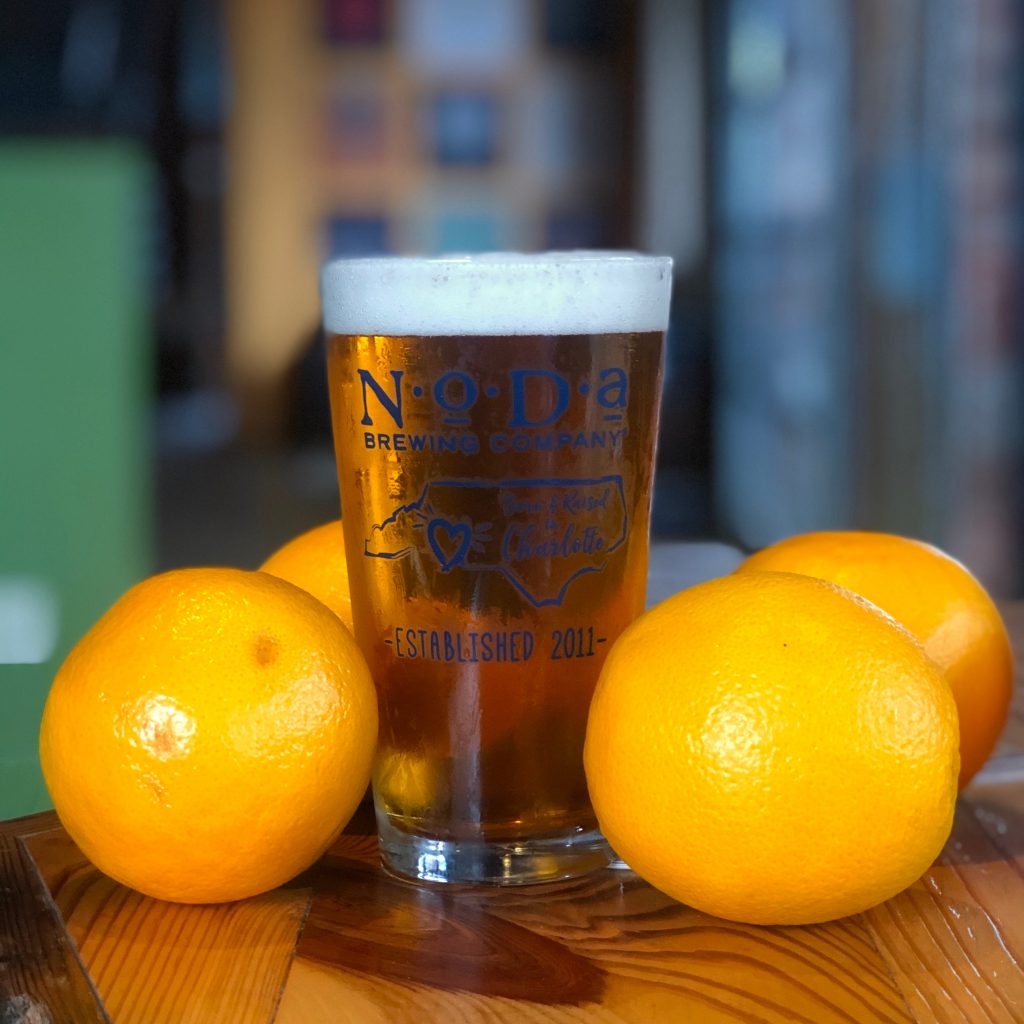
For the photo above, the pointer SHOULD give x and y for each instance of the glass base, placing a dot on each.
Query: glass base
(477, 862)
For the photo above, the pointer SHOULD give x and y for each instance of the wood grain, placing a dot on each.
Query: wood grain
(156, 962)
(607, 949)
(41, 978)
(717, 969)
(414, 954)
(954, 941)
(366, 922)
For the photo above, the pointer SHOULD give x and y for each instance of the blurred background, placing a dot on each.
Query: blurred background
(839, 182)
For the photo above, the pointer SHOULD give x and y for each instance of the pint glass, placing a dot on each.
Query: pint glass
(494, 422)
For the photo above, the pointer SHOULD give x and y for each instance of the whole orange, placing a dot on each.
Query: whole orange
(938, 600)
(770, 748)
(315, 560)
(210, 736)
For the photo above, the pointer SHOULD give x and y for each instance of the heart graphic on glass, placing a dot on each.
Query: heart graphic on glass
(449, 541)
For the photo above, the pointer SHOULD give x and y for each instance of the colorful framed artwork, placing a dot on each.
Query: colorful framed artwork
(462, 127)
(359, 22)
(570, 129)
(467, 231)
(453, 38)
(357, 115)
(357, 234)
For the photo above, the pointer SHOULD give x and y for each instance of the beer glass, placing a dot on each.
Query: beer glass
(494, 422)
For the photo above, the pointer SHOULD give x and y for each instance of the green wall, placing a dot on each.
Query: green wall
(75, 447)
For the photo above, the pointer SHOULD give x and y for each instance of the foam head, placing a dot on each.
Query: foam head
(498, 294)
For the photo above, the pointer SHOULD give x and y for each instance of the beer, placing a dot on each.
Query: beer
(494, 421)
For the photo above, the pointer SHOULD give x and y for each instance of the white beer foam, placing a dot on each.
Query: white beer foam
(498, 293)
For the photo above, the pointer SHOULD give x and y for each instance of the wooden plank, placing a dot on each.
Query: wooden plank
(606, 948)
(41, 978)
(717, 970)
(317, 994)
(954, 941)
(364, 921)
(163, 963)
(39, 822)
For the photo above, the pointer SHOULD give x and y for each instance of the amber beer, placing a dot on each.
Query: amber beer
(494, 422)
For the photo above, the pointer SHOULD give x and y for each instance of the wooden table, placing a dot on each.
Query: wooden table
(344, 943)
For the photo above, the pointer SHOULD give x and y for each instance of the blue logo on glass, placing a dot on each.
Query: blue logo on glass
(539, 534)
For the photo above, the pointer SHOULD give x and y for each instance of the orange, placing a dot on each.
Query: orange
(938, 600)
(210, 736)
(770, 748)
(315, 561)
